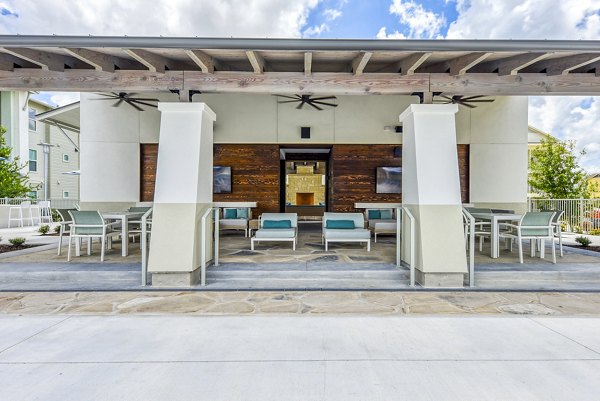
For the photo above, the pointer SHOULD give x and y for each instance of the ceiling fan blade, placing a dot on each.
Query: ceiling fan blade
(118, 103)
(447, 97)
(315, 106)
(289, 97)
(287, 101)
(144, 98)
(300, 105)
(473, 97)
(324, 103)
(105, 94)
(323, 98)
(134, 106)
(466, 105)
(479, 101)
(144, 103)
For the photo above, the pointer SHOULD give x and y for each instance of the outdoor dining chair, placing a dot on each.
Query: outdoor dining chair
(20, 213)
(481, 229)
(533, 226)
(90, 225)
(65, 226)
(557, 224)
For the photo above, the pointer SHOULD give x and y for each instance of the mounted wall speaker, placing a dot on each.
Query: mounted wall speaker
(397, 151)
(305, 132)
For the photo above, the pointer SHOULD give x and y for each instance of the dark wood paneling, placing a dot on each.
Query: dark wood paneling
(148, 158)
(463, 170)
(255, 173)
(353, 174)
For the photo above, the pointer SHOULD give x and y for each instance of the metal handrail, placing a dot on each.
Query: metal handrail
(471, 221)
(411, 223)
(203, 246)
(145, 249)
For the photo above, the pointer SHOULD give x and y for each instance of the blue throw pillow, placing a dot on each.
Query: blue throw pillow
(242, 213)
(374, 214)
(340, 224)
(230, 214)
(386, 214)
(277, 224)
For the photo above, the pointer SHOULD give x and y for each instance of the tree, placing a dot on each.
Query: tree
(13, 184)
(554, 170)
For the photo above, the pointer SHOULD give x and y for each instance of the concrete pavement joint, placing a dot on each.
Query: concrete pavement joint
(564, 336)
(35, 334)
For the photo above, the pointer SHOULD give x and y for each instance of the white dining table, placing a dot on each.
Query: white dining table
(495, 219)
(123, 217)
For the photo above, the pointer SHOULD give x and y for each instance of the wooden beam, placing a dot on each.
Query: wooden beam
(512, 65)
(459, 65)
(257, 61)
(564, 65)
(202, 60)
(100, 61)
(47, 61)
(298, 83)
(515, 85)
(360, 62)
(307, 63)
(153, 62)
(90, 80)
(408, 65)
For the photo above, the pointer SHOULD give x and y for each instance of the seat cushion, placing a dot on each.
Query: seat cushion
(357, 233)
(373, 214)
(340, 224)
(373, 222)
(230, 214)
(279, 224)
(241, 213)
(275, 233)
(386, 214)
(233, 223)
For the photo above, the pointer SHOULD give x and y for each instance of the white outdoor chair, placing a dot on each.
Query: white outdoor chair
(136, 225)
(532, 226)
(22, 212)
(90, 224)
(43, 213)
(65, 226)
(482, 229)
(276, 227)
(557, 224)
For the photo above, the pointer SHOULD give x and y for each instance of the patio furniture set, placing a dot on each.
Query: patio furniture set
(336, 227)
(28, 212)
(537, 227)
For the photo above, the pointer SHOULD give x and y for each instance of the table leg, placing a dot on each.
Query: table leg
(495, 242)
(124, 237)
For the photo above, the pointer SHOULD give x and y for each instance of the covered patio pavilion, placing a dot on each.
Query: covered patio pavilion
(215, 103)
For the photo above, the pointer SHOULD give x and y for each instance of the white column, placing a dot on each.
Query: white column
(183, 193)
(431, 190)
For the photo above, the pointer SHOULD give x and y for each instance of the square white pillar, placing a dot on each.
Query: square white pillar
(431, 190)
(183, 193)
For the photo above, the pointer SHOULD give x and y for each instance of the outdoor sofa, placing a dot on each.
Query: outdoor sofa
(277, 227)
(345, 227)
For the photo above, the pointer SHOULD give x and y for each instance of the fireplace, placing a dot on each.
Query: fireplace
(305, 198)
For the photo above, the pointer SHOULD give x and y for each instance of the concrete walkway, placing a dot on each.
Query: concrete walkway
(265, 358)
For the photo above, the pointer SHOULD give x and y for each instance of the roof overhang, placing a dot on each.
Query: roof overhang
(66, 116)
(335, 66)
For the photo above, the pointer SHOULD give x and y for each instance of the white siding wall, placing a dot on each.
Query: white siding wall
(60, 182)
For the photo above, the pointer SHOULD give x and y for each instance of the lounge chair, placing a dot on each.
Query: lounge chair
(373, 216)
(345, 227)
(235, 219)
(277, 227)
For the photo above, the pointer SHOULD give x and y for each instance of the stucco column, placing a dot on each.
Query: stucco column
(183, 193)
(431, 190)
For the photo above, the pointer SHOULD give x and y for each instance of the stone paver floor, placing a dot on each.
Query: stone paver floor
(301, 303)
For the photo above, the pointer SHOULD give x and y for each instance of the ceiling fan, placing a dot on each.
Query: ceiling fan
(315, 102)
(462, 100)
(128, 98)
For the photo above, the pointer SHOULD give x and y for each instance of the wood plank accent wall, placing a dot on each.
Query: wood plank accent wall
(255, 172)
(354, 174)
(148, 158)
(353, 169)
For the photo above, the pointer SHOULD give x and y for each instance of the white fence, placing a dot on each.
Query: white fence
(54, 203)
(581, 215)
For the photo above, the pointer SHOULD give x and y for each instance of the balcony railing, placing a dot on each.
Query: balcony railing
(54, 203)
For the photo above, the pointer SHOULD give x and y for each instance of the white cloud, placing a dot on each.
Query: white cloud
(526, 19)
(250, 18)
(315, 30)
(63, 98)
(331, 14)
(382, 34)
(421, 23)
(573, 118)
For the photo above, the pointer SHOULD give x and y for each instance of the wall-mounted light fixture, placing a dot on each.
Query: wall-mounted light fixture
(393, 128)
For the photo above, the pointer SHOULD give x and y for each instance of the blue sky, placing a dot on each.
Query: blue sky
(576, 118)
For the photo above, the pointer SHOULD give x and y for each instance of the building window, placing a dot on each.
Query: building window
(32, 194)
(32, 122)
(65, 158)
(65, 194)
(32, 160)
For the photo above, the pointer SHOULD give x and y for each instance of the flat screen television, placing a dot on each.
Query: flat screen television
(389, 180)
(221, 179)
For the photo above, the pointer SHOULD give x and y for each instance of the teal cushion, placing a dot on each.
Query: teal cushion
(230, 214)
(276, 224)
(242, 213)
(374, 214)
(386, 214)
(340, 224)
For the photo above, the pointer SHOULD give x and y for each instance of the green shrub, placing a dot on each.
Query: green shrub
(584, 241)
(55, 215)
(44, 229)
(595, 231)
(17, 241)
(57, 229)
